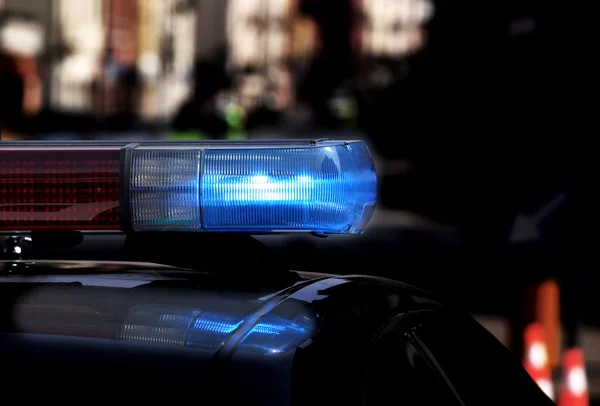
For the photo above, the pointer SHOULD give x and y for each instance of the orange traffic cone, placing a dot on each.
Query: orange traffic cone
(536, 358)
(574, 389)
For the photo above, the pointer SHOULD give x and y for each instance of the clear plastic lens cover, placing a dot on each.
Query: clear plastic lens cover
(164, 189)
(328, 188)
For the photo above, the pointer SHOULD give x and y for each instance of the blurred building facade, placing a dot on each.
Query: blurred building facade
(393, 28)
(123, 56)
(259, 44)
(137, 58)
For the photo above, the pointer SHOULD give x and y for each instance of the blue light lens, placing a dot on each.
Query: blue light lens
(330, 189)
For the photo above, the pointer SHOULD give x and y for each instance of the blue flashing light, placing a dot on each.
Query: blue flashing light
(321, 189)
(329, 187)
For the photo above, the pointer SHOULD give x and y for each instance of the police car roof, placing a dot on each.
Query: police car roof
(127, 274)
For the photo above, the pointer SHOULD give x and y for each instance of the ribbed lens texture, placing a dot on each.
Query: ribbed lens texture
(194, 328)
(158, 326)
(209, 330)
(164, 189)
(321, 189)
(271, 335)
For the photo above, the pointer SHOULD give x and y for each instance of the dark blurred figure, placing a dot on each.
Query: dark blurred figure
(333, 64)
(200, 114)
(493, 116)
(118, 87)
(11, 99)
(20, 85)
(117, 93)
(262, 116)
(487, 114)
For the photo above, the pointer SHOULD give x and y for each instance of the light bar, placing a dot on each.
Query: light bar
(62, 188)
(247, 187)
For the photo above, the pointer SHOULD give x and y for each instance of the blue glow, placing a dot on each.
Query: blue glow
(330, 189)
(209, 330)
(273, 334)
(269, 335)
(198, 329)
(212, 326)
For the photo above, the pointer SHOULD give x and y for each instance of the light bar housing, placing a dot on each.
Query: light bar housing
(250, 187)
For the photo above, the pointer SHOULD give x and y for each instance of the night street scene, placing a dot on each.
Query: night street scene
(454, 128)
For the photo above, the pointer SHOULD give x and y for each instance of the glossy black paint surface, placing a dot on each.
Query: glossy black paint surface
(143, 331)
(89, 303)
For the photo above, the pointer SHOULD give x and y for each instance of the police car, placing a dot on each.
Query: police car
(193, 309)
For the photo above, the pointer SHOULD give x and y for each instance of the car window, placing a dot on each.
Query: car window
(479, 367)
(401, 374)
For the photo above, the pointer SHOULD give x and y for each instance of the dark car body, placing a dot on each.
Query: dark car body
(74, 331)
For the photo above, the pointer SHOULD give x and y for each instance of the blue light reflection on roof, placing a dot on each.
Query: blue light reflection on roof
(209, 329)
(157, 325)
(201, 329)
(270, 335)
(275, 334)
(212, 326)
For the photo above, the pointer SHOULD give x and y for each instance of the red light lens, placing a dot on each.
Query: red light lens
(59, 189)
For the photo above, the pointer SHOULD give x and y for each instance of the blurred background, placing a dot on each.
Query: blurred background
(101, 66)
(474, 112)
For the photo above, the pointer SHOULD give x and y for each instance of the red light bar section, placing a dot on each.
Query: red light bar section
(65, 189)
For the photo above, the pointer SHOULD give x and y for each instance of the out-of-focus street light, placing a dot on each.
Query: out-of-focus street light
(395, 28)
(22, 41)
(19, 36)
